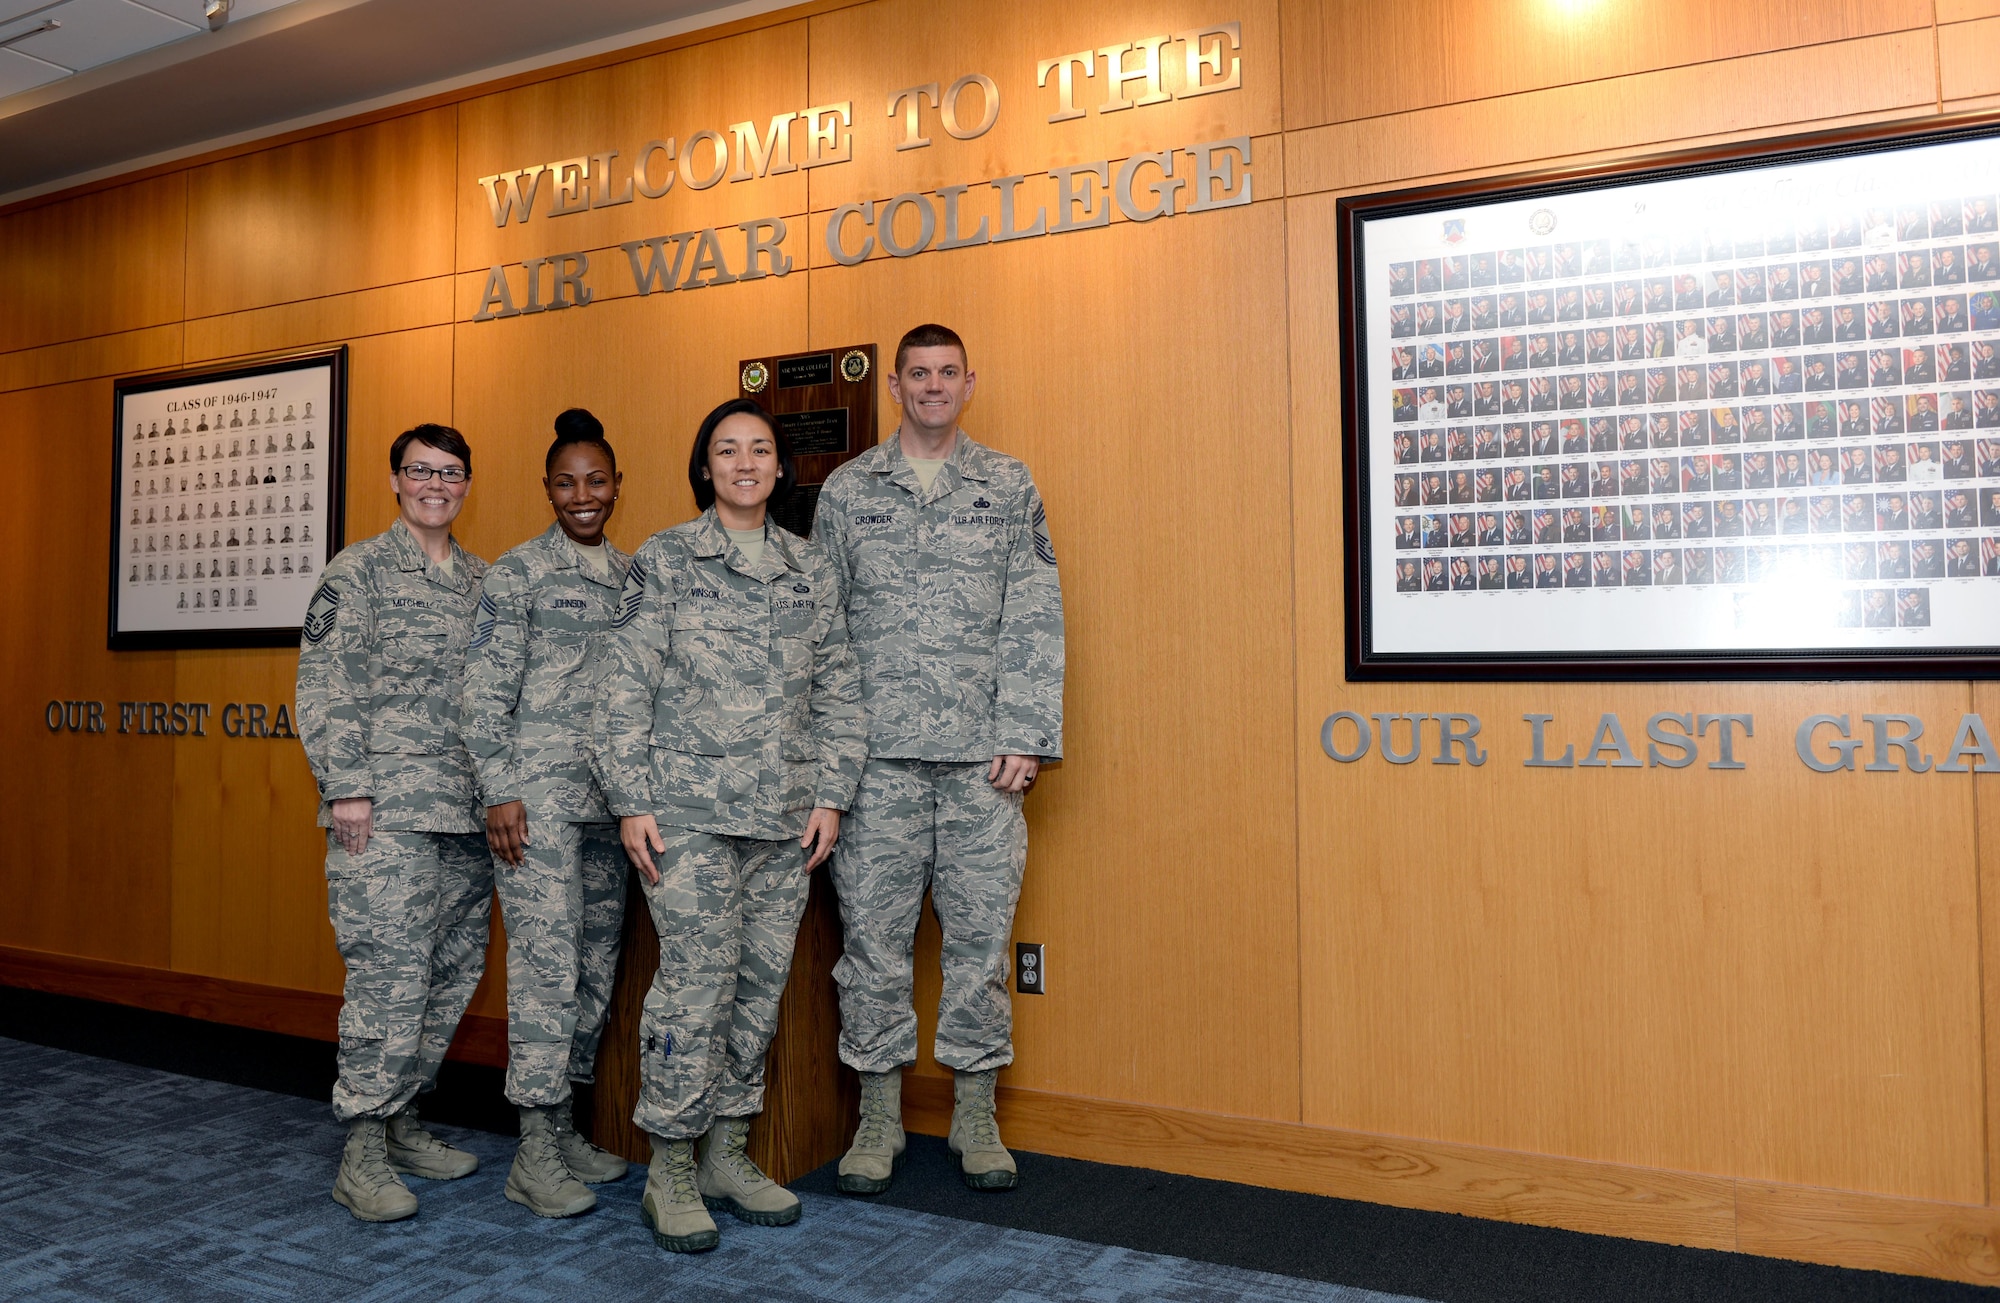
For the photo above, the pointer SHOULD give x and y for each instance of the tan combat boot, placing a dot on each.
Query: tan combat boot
(729, 1180)
(672, 1204)
(871, 1161)
(366, 1186)
(540, 1181)
(975, 1135)
(416, 1151)
(588, 1163)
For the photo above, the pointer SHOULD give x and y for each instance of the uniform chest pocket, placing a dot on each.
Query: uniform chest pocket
(410, 654)
(801, 617)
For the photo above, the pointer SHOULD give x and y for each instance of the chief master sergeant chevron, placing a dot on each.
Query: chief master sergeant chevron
(409, 882)
(944, 561)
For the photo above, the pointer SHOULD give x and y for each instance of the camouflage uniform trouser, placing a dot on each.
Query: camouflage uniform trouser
(410, 915)
(563, 906)
(727, 910)
(917, 824)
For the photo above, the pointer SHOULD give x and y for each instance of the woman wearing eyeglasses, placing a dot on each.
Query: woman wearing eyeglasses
(728, 738)
(409, 878)
(530, 684)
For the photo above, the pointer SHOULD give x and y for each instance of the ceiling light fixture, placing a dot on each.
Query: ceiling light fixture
(217, 13)
(48, 26)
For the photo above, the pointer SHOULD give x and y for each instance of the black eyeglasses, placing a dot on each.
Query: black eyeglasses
(449, 474)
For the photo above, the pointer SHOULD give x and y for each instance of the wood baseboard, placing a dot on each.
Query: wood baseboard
(312, 1014)
(1833, 1227)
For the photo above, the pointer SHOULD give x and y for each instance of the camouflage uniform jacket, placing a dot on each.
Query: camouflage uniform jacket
(380, 659)
(530, 678)
(952, 601)
(730, 700)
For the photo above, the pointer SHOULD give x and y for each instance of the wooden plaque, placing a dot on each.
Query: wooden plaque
(825, 400)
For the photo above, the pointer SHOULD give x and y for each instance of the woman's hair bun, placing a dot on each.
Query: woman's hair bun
(577, 424)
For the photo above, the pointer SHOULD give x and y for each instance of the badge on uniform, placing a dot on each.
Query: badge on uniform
(319, 615)
(484, 619)
(1045, 548)
(628, 599)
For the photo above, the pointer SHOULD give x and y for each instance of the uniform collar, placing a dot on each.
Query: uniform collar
(967, 460)
(410, 556)
(710, 539)
(562, 549)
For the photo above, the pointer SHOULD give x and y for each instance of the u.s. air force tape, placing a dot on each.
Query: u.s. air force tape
(319, 615)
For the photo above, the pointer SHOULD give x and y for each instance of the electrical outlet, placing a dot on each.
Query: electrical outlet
(1031, 968)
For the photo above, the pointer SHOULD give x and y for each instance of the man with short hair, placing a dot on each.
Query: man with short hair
(942, 552)
(409, 880)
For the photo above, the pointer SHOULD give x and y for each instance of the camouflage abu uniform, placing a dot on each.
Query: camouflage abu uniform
(530, 686)
(956, 616)
(728, 711)
(379, 665)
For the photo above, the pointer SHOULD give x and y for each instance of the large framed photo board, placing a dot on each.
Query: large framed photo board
(226, 500)
(1727, 415)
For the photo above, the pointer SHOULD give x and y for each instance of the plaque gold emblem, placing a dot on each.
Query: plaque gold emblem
(756, 376)
(854, 366)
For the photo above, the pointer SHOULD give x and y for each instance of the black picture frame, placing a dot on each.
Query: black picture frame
(129, 629)
(1367, 663)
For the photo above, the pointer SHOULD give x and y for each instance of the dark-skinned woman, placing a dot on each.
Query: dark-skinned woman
(530, 688)
(728, 739)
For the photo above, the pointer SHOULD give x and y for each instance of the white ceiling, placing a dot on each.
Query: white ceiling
(123, 84)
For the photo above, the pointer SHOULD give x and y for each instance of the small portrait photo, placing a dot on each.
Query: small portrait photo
(1542, 439)
(1885, 416)
(1402, 363)
(1812, 233)
(1406, 490)
(1567, 259)
(1820, 419)
(1659, 385)
(1722, 380)
(1961, 559)
(1982, 262)
(1750, 285)
(1458, 443)
(1913, 268)
(1954, 362)
(1513, 352)
(1482, 270)
(1431, 445)
(1666, 520)
(1719, 289)
(1520, 572)
(1760, 563)
(1756, 377)
(1657, 294)
(1597, 258)
(1695, 520)
(1457, 357)
(1925, 511)
(1570, 392)
(1604, 569)
(1823, 468)
(1986, 408)
(1574, 479)
(1402, 404)
(1515, 526)
(1915, 366)
(1408, 536)
(1600, 389)
(1728, 518)
(1815, 326)
(1509, 266)
(1538, 307)
(1663, 475)
(1884, 320)
(1626, 254)
(1858, 561)
(1785, 423)
(1488, 569)
(1926, 558)
(1548, 570)
(1485, 398)
(1546, 485)
(1429, 277)
(1781, 282)
(1853, 417)
(1604, 523)
(1687, 291)
(1989, 509)
(1486, 484)
(1784, 328)
(1402, 321)
(1760, 516)
(1729, 565)
(1758, 470)
(1957, 413)
(1597, 301)
(1631, 477)
(1435, 579)
(1604, 479)
(1576, 524)
(1892, 513)
(1980, 215)
(1752, 333)
(1792, 517)
(1457, 401)
(1913, 222)
(1984, 309)
(1454, 316)
(1404, 448)
(1625, 299)
(1698, 566)
(1453, 274)
(1657, 339)
(1635, 567)
(1691, 383)
(1460, 526)
(1430, 361)
(1541, 351)
(1850, 325)
(1631, 388)
(1947, 218)
(1402, 278)
(1791, 469)
(1947, 265)
(1815, 280)
(1655, 251)
(1657, 432)
(1922, 459)
(1696, 475)
(1878, 608)
(1824, 514)
(1514, 439)
(1923, 414)
(1726, 472)
(1486, 443)
(1816, 372)
(1913, 608)
(1915, 314)
(1850, 369)
(1667, 567)
(1575, 570)
(1481, 313)
(1630, 343)
(1949, 316)
(1569, 348)
(1434, 532)
(1878, 273)
(1961, 510)
(1408, 575)
(1849, 275)
(1635, 519)
(1429, 320)
(1545, 527)
(1537, 264)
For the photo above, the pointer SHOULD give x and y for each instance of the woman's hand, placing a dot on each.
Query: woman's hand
(822, 831)
(354, 823)
(641, 835)
(507, 830)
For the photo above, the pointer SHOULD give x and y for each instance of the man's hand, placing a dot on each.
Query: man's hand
(507, 830)
(1013, 773)
(354, 823)
(641, 835)
(822, 831)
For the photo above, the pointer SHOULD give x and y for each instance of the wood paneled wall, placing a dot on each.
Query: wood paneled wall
(1767, 982)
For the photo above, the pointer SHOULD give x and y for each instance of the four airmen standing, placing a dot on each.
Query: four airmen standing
(726, 695)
